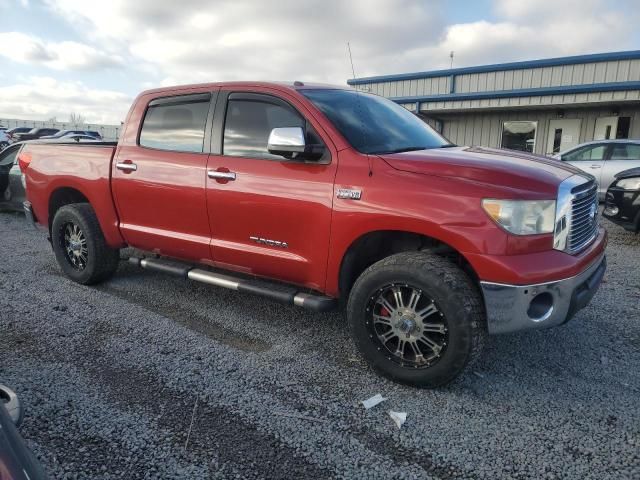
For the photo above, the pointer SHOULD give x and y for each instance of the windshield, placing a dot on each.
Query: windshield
(373, 124)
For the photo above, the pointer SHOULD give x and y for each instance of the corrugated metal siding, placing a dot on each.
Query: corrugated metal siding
(563, 75)
(406, 88)
(485, 129)
(570, 99)
(580, 74)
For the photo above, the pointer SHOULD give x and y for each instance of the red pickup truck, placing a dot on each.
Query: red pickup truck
(325, 197)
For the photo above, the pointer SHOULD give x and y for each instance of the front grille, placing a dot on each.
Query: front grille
(584, 216)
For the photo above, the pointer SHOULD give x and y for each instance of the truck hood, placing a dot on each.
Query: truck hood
(503, 168)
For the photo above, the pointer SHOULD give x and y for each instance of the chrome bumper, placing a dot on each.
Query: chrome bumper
(511, 308)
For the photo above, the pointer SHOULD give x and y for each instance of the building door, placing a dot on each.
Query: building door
(563, 135)
(606, 128)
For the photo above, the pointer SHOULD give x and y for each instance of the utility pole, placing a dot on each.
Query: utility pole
(451, 56)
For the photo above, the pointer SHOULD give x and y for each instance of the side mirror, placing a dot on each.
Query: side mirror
(10, 401)
(286, 141)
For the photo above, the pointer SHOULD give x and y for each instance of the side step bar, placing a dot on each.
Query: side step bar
(274, 291)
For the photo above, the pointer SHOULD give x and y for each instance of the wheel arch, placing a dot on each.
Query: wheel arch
(63, 196)
(373, 246)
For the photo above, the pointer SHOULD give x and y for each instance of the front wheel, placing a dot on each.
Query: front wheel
(80, 247)
(417, 318)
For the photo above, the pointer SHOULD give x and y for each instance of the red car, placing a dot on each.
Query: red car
(325, 197)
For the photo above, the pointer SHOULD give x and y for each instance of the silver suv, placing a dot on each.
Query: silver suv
(604, 159)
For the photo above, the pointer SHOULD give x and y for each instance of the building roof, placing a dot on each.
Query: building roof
(497, 67)
(576, 80)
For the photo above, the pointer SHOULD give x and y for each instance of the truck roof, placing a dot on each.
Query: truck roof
(295, 85)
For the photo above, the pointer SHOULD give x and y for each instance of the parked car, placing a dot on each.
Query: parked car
(75, 137)
(334, 198)
(14, 131)
(4, 139)
(17, 462)
(12, 194)
(622, 204)
(64, 133)
(34, 134)
(604, 159)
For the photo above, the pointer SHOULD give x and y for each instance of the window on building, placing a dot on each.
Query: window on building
(519, 135)
(622, 131)
(557, 140)
(625, 151)
(176, 123)
(248, 125)
(590, 152)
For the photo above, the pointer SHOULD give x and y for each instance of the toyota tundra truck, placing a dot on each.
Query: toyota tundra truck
(327, 197)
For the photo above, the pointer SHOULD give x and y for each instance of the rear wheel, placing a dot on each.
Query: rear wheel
(80, 247)
(417, 318)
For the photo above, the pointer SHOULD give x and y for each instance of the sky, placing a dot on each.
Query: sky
(92, 58)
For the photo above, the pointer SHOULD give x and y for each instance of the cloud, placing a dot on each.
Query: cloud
(290, 39)
(163, 43)
(284, 40)
(40, 98)
(65, 55)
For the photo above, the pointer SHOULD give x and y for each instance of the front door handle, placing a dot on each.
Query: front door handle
(218, 175)
(594, 166)
(127, 167)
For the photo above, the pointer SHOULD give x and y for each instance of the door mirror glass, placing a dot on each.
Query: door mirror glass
(286, 141)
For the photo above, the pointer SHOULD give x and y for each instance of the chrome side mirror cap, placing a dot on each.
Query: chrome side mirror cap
(12, 405)
(286, 141)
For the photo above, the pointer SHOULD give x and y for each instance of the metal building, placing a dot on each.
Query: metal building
(541, 106)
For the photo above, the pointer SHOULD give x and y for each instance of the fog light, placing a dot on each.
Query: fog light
(541, 307)
(611, 210)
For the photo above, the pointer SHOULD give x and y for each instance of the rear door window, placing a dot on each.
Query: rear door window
(176, 123)
(625, 151)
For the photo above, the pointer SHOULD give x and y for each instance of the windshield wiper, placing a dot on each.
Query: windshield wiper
(448, 145)
(400, 150)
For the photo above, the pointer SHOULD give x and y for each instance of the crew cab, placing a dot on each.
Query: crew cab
(326, 197)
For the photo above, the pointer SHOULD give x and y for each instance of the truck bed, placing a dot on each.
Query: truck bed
(80, 169)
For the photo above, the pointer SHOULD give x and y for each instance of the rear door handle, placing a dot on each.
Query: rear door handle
(594, 166)
(217, 175)
(127, 166)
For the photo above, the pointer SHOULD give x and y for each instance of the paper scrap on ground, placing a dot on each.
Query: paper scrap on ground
(398, 417)
(373, 401)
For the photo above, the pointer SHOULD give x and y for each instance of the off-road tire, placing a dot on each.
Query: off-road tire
(456, 296)
(102, 261)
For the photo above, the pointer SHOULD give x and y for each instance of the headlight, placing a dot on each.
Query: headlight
(629, 183)
(522, 217)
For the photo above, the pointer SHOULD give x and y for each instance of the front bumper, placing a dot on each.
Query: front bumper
(511, 308)
(622, 207)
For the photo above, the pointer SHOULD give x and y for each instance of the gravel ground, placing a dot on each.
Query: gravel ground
(149, 376)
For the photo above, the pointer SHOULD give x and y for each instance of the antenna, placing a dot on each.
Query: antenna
(353, 71)
(351, 60)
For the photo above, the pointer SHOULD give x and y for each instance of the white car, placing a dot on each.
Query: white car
(603, 159)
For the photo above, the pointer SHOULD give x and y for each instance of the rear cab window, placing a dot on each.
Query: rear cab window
(176, 123)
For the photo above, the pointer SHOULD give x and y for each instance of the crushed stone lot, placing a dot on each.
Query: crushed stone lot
(150, 376)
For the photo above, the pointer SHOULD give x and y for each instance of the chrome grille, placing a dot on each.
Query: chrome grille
(584, 216)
